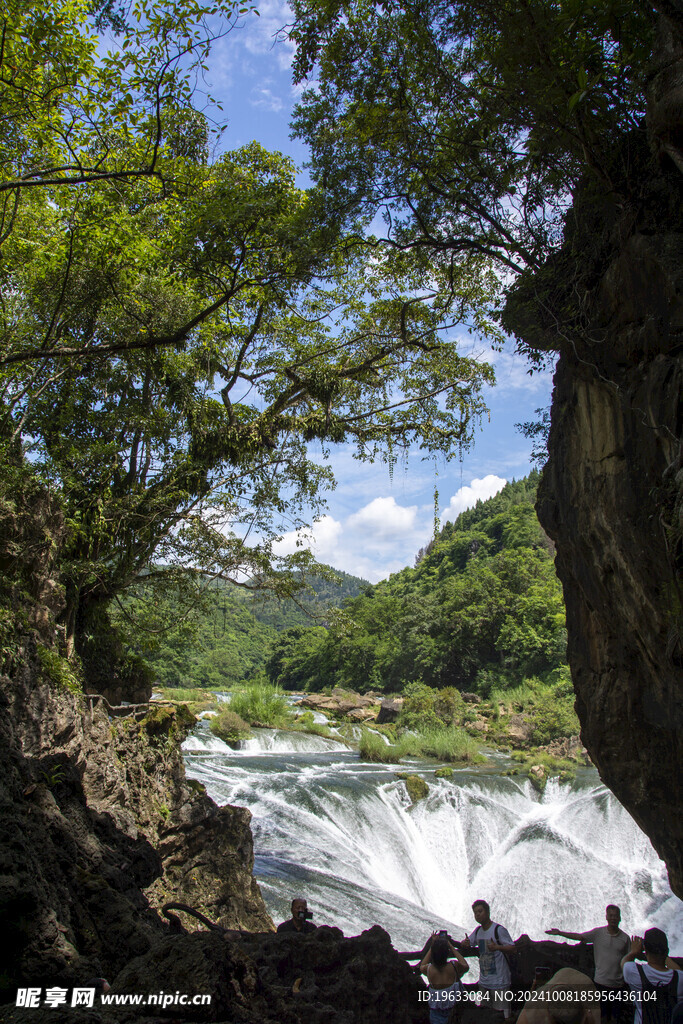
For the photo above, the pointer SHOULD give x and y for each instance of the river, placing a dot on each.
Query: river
(344, 834)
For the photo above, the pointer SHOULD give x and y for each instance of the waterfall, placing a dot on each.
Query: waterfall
(345, 834)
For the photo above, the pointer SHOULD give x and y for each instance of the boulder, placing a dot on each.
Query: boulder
(519, 730)
(570, 747)
(361, 715)
(340, 702)
(389, 711)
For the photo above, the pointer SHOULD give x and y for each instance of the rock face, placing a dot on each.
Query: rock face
(320, 978)
(98, 826)
(611, 497)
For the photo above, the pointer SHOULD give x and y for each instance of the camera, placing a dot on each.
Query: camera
(305, 915)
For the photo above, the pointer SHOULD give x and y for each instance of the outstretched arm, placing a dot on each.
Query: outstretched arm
(576, 936)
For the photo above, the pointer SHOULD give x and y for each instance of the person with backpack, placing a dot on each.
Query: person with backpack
(493, 942)
(658, 987)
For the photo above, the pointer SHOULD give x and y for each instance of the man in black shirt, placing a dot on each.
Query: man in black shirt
(297, 922)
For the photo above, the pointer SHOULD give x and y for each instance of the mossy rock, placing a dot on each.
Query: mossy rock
(443, 773)
(162, 720)
(416, 786)
(538, 777)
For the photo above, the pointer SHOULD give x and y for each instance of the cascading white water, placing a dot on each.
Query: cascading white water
(345, 834)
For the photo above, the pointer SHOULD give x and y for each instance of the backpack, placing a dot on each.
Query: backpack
(516, 980)
(658, 1010)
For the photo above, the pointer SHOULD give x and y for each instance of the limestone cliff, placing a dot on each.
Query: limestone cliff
(611, 303)
(98, 826)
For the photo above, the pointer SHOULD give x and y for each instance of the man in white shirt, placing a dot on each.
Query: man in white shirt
(493, 942)
(610, 945)
(655, 978)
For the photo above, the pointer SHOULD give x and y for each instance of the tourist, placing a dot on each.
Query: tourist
(443, 976)
(493, 942)
(654, 978)
(610, 944)
(569, 997)
(298, 922)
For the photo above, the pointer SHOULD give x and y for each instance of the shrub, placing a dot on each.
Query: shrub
(418, 707)
(229, 727)
(262, 704)
(58, 670)
(449, 705)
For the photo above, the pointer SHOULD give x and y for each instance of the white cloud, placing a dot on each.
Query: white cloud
(322, 538)
(381, 537)
(383, 520)
(261, 96)
(264, 33)
(467, 497)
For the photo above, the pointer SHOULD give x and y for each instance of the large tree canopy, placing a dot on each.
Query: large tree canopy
(175, 331)
(468, 124)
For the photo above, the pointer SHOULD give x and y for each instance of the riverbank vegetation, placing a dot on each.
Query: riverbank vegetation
(442, 744)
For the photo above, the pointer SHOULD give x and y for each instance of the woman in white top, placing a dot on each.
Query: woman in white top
(443, 976)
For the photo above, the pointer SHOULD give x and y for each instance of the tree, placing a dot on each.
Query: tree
(172, 341)
(469, 124)
(73, 111)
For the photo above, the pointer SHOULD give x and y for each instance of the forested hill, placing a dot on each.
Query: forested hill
(482, 608)
(229, 636)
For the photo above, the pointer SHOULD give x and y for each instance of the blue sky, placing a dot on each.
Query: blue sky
(375, 525)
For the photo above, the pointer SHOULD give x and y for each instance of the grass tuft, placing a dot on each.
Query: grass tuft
(262, 704)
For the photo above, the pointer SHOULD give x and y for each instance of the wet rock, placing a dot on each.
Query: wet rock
(98, 826)
(416, 786)
(611, 495)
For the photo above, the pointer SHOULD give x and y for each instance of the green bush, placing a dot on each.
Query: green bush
(418, 707)
(449, 706)
(58, 670)
(229, 727)
(262, 704)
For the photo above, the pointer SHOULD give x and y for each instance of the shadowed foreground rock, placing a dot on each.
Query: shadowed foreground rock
(321, 978)
(98, 827)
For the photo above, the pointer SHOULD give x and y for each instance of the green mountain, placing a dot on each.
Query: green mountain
(481, 608)
(226, 638)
